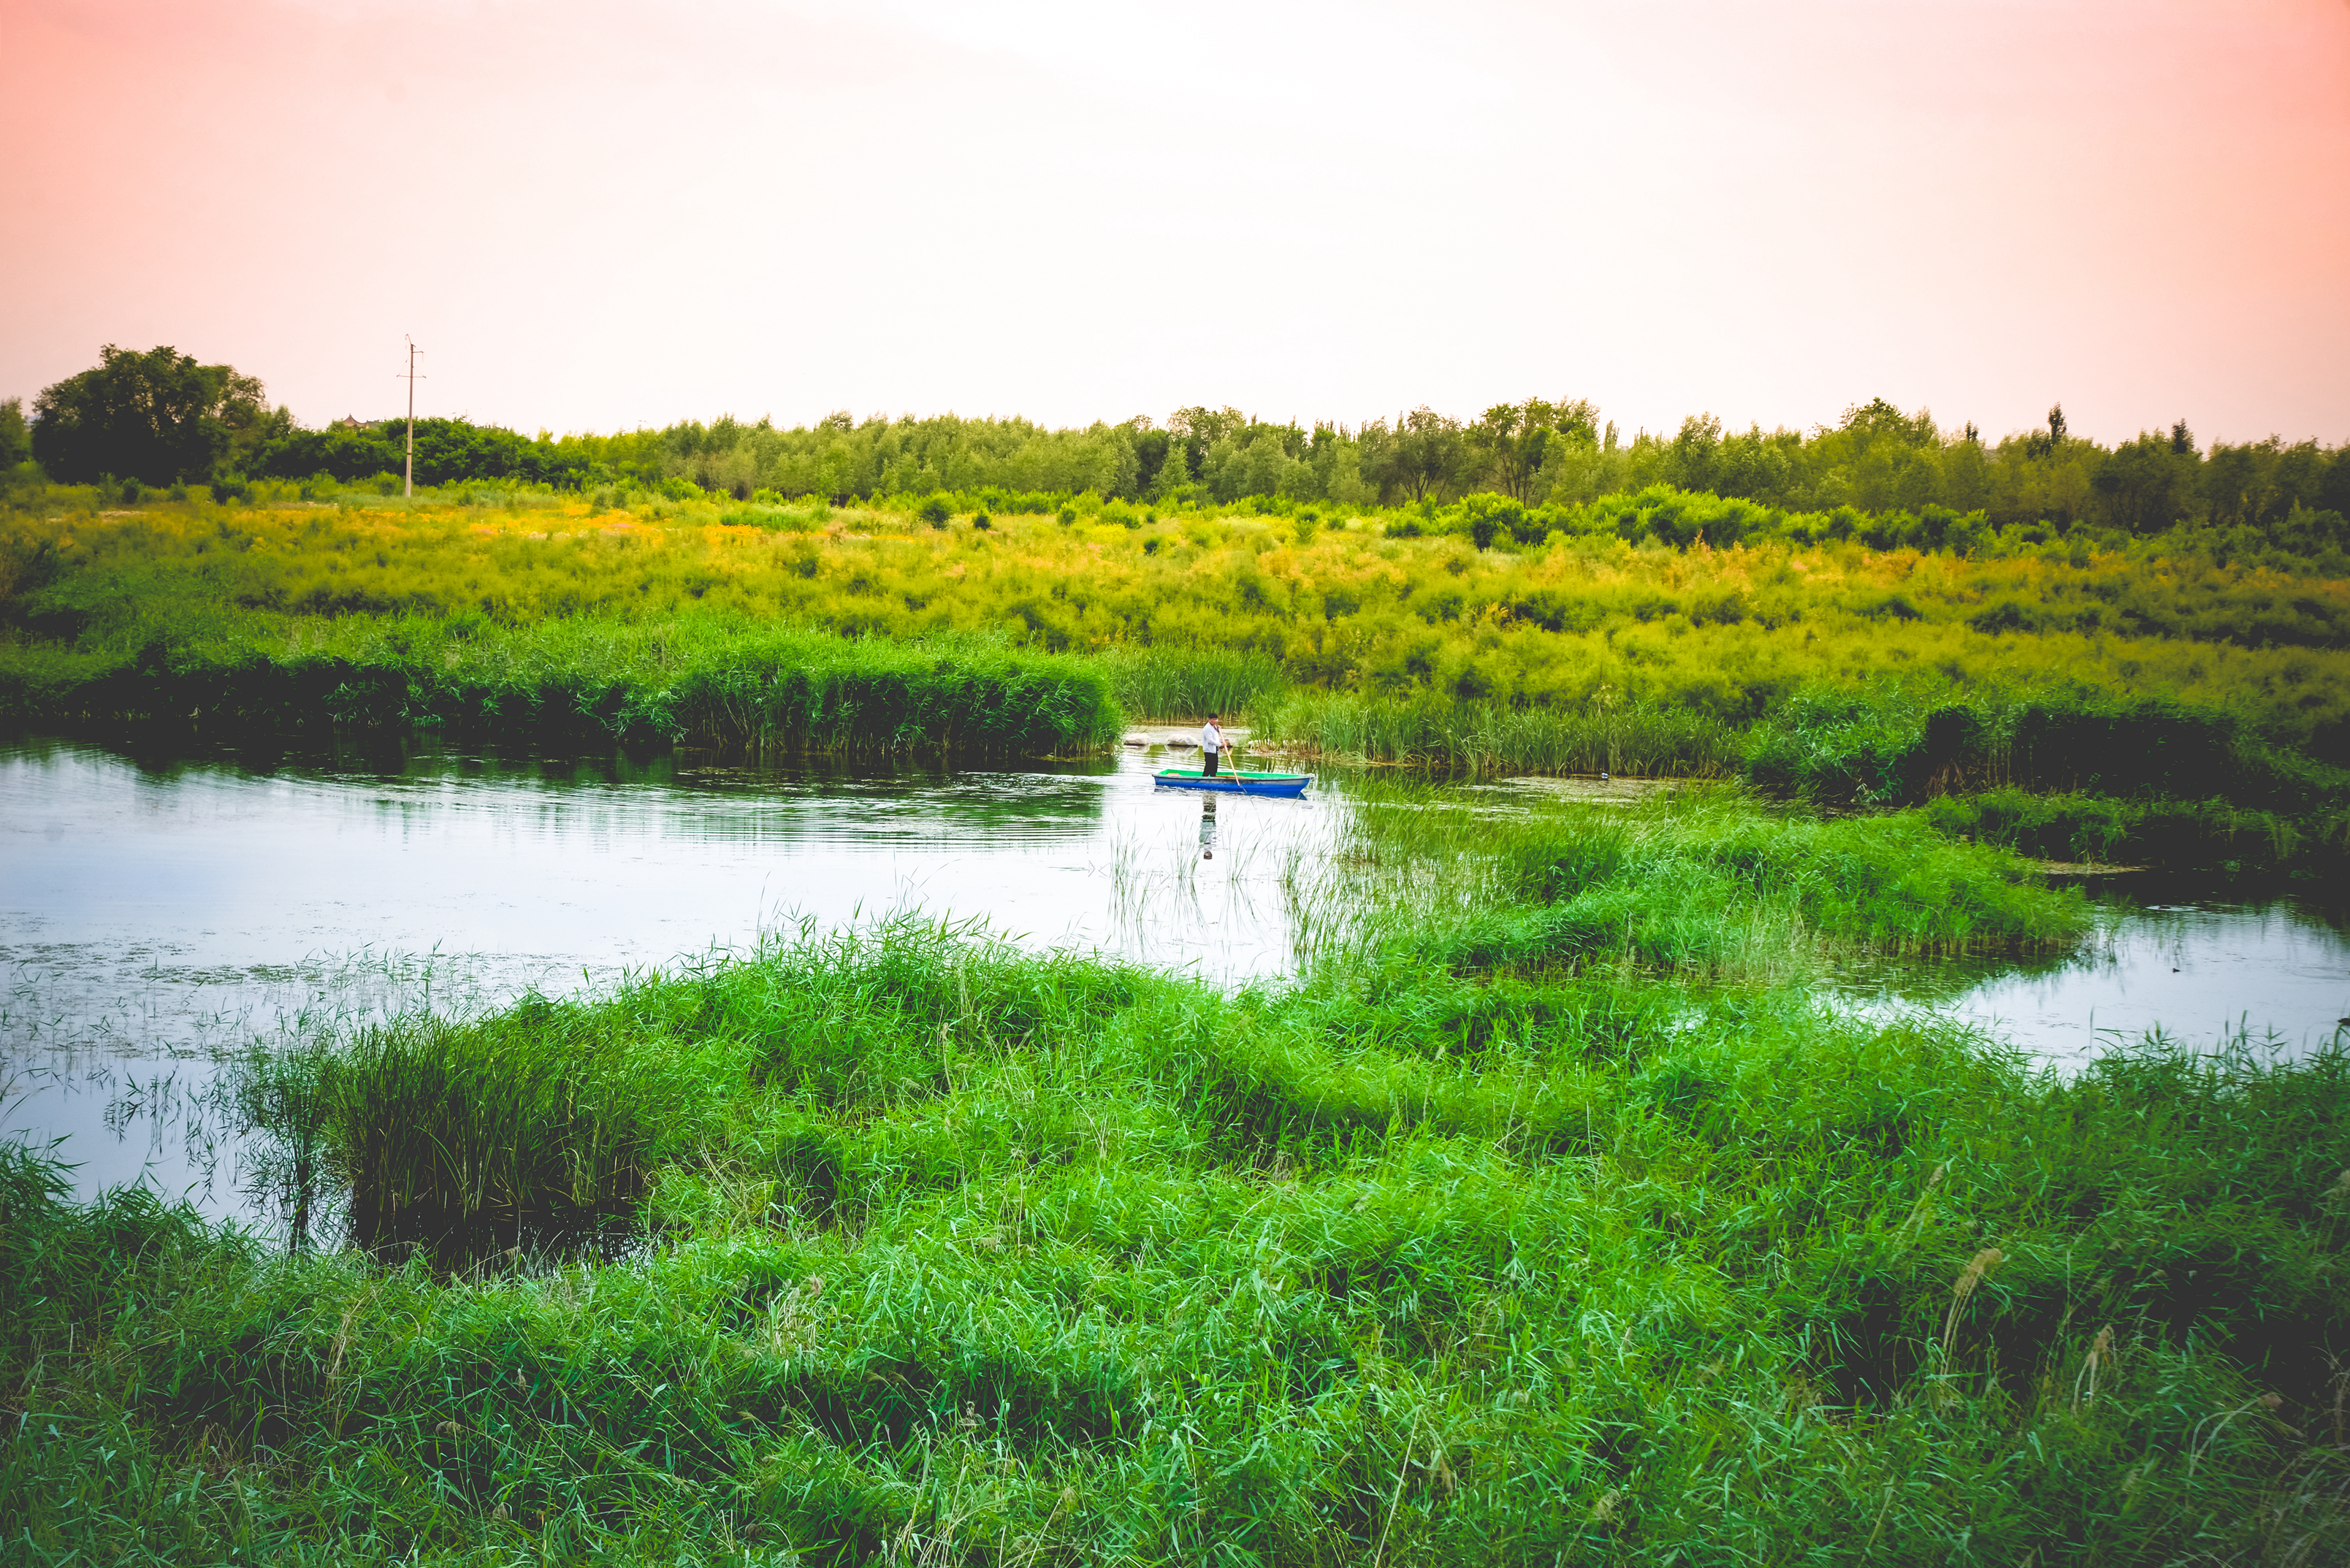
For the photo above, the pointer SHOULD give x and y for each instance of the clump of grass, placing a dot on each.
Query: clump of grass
(1488, 738)
(2067, 778)
(1711, 886)
(2169, 834)
(545, 1112)
(1178, 683)
(1883, 746)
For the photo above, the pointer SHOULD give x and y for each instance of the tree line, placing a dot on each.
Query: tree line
(160, 418)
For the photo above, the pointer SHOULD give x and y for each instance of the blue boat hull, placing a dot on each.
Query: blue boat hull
(1290, 785)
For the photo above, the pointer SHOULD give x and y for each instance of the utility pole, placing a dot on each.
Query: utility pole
(407, 488)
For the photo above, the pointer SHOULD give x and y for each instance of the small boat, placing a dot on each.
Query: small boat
(1236, 782)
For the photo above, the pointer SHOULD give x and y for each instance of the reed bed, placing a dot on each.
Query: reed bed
(1885, 745)
(430, 1125)
(1187, 683)
(2163, 834)
(1706, 885)
(707, 678)
(1475, 737)
(1555, 624)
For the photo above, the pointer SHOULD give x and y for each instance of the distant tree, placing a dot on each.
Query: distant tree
(1337, 459)
(1877, 420)
(2046, 442)
(1174, 466)
(2259, 483)
(1257, 461)
(1876, 456)
(2147, 485)
(1150, 450)
(1966, 472)
(1512, 439)
(1756, 464)
(16, 439)
(155, 417)
(2333, 494)
(1690, 459)
(1425, 457)
(1199, 428)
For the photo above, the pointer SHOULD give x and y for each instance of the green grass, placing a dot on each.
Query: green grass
(2243, 842)
(712, 679)
(1885, 745)
(1196, 608)
(1547, 1216)
(1710, 893)
(434, 1125)
(1446, 736)
(1478, 1273)
(1608, 1246)
(1177, 683)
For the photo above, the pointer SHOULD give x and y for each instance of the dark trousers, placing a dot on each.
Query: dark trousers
(1208, 769)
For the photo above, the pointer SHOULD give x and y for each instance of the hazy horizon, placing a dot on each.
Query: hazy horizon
(595, 217)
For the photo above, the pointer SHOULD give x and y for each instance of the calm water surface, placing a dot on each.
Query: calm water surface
(2180, 958)
(153, 913)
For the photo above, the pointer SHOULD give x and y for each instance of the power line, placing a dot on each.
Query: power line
(407, 488)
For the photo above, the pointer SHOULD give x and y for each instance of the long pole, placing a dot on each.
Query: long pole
(408, 485)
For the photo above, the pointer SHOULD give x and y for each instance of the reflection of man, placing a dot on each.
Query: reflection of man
(1207, 828)
(1211, 742)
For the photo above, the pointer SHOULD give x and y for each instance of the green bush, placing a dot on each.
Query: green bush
(1884, 747)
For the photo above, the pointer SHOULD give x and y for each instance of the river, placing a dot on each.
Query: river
(156, 911)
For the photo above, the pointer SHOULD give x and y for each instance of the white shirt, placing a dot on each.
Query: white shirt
(1211, 739)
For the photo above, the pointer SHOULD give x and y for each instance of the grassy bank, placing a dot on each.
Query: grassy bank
(1604, 1246)
(2161, 835)
(709, 678)
(1209, 608)
(2146, 781)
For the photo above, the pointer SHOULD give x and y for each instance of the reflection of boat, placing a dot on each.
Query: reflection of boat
(1234, 783)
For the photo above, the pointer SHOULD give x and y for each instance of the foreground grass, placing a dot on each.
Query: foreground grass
(1604, 1246)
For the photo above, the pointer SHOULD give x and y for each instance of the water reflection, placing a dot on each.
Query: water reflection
(2186, 961)
(157, 909)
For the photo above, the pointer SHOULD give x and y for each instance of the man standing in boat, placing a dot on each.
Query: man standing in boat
(1212, 742)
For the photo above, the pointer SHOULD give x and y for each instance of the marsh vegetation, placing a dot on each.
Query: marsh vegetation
(1544, 1209)
(1547, 1210)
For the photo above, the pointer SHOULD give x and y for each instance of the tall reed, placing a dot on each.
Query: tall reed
(1486, 737)
(426, 1124)
(1175, 682)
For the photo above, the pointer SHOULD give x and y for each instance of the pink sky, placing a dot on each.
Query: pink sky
(595, 215)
